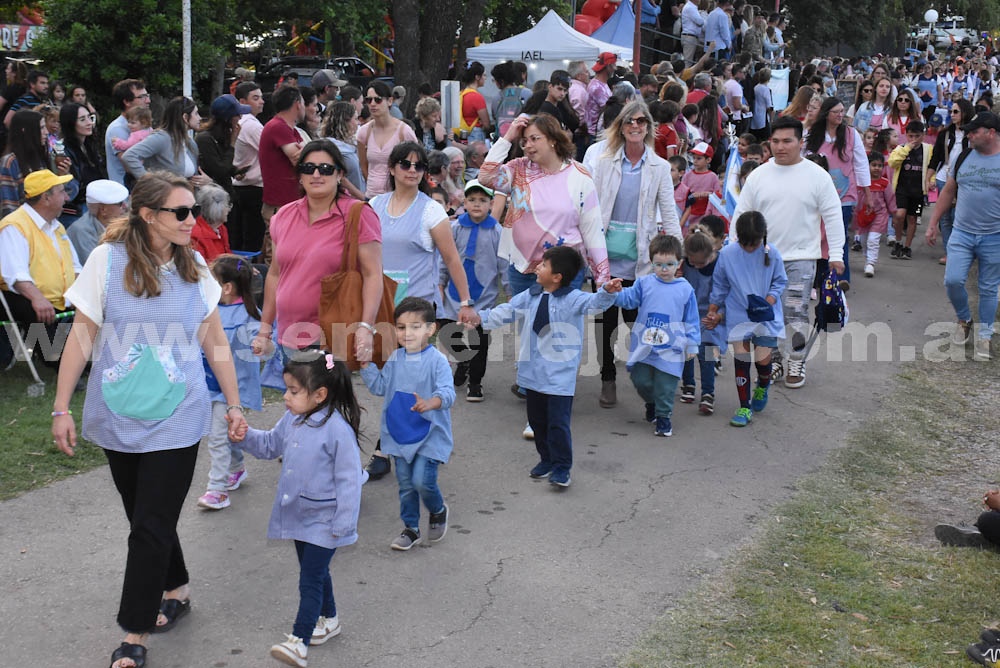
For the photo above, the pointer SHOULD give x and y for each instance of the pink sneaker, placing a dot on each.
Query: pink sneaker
(236, 479)
(214, 500)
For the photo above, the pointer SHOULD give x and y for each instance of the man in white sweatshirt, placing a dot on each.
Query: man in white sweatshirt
(796, 197)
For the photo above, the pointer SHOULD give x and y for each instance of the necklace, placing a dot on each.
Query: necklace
(395, 209)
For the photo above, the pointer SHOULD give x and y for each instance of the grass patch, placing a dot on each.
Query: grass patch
(848, 573)
(28, 458)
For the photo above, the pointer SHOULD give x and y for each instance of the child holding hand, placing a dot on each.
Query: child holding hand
(550, 317)
(319, 490)
(747, 285)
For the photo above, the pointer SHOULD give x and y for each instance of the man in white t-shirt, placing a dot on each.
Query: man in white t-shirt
(796, 197)
(733, 89)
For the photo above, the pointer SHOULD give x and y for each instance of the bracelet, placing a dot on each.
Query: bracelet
(58, 413)
(229, 408)
(370, 328)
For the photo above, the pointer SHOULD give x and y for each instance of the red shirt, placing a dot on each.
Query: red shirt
(210, 243)
(666, 136)
(305, 254)
(281, 184)
(696, 96)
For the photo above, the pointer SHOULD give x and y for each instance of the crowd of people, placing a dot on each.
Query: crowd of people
(704, 218)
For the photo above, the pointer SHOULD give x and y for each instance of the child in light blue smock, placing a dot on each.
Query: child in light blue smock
(747, 286)
(241, 322)
(416, 418)
(319, 489)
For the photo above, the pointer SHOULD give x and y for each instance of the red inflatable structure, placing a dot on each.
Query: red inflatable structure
(593, 14)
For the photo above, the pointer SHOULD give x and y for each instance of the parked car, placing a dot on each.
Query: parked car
(305, 66)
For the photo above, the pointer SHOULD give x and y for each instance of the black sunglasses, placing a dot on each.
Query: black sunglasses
(309, 168)
(182, 212)
(406, 164)
(376, 100)
(639, 120)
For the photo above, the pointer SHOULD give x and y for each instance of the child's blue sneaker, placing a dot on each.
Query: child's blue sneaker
(663, 427)
(541, 470)
(650, 412)
(560, 477)
(759, 400)
(742, 417)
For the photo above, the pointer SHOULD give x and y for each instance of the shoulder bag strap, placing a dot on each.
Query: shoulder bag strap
(349, 260)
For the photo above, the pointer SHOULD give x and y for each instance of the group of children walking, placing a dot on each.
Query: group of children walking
(731, 295)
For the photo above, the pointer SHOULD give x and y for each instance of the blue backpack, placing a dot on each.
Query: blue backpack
(831, 307)
(508, 110)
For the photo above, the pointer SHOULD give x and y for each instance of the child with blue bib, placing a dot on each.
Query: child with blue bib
(747, 286)
(665, 333)
(416, 418)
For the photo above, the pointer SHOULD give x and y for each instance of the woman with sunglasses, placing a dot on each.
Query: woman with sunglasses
(415, 231)
(308, 237)
(634, 190)
(146, 272)
(859, 116)
(83, 148)
(377, 139)
(950, 140)
(905, 108)
(170, 148)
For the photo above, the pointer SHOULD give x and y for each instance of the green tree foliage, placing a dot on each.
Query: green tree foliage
(506, 18)
(97, 42)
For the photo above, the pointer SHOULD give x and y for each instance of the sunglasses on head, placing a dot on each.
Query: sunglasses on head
(309, 168)
(375, 100)
(407, 165)
(182, 212)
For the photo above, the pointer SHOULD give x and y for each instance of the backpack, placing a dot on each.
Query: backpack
(508, 109)
(958, 163)
(831, 307)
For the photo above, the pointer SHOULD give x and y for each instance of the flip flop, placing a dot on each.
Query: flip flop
(137, 653)
(173, 609)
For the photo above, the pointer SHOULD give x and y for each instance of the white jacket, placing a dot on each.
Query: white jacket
(657, 210)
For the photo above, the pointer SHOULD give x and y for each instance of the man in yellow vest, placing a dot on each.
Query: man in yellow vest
(37, 261)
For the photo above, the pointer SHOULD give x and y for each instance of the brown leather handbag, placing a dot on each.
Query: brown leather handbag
(340, 303)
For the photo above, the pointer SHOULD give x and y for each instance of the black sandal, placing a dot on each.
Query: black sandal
(173, 609)
(137, 653)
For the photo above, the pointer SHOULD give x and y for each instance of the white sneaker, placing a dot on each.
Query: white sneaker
(982, 349)
(293, 652)
(528, 433)
(869, 270)
(326, 628)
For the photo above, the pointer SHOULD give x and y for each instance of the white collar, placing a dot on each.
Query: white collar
(38, 220)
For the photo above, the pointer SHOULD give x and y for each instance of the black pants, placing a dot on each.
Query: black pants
(472, 354)
(48, 351)
(248, 232)
(606, 324)
(989, 525)
(153, 487)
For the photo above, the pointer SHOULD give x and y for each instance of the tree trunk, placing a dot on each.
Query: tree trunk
(474, 10)
(424, 43)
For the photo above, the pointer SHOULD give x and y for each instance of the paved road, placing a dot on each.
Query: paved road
(527, 576)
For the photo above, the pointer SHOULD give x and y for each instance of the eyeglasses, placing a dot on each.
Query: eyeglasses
(660, 266)
(374, 100)
(534, 139)
(91, 117)
(182, 212)
(956, 111)
(903, 99)
(407, 165)
(309, 168)
(866, 90)
(144, 96)
(638, 120)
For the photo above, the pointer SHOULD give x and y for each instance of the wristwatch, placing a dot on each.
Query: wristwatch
(467, 302)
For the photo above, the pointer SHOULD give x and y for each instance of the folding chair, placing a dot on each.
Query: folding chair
(37, 388)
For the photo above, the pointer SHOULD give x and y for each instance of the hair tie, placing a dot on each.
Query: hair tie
(329, 361)
(239, 265)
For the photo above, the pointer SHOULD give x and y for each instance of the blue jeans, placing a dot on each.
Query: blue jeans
(315, 588)
(520, 282)
(947, 221)
(549, 417)
(657, 387)
(417, 480)
(848, 211)
(706, 366)
(963, 248)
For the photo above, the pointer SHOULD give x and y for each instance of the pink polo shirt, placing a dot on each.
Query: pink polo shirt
(305, 254)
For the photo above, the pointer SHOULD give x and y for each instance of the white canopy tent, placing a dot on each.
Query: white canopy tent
(548, 46)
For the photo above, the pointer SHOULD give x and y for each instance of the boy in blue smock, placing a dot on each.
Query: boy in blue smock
(666, 331)
(477, 238)
(416, 418)
(550, 314)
